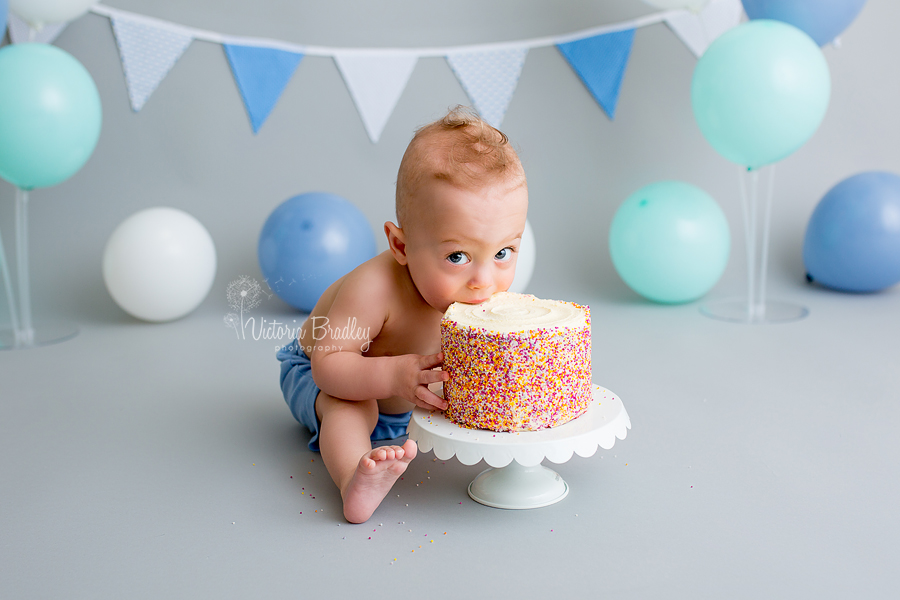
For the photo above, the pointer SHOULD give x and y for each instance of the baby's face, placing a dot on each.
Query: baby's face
(462, 245)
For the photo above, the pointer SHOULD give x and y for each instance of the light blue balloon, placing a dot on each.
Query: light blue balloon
(309, 242)
(760, 91)
(852, 242)
(669, 241)
(50, 115)
(822, 20)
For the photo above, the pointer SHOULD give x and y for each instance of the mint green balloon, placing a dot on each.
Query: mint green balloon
(49, 115)
(760, 91)
(669, 241)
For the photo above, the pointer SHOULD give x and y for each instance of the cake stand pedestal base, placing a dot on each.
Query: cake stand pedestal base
(517, 479)
(518, 487)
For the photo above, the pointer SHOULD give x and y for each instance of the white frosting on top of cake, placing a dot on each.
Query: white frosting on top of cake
(506, 312)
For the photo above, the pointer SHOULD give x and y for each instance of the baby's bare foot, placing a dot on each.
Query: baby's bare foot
(375, 475)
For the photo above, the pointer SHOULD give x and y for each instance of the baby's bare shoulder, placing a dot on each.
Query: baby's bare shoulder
(382, 297)
(372, 284)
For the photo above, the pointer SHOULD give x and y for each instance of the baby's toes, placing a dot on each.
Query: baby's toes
(409, 450)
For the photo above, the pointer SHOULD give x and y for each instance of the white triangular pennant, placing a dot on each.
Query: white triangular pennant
(376, 84)
(489, 79)
(20, 31)
(148, 53)
(699, 30)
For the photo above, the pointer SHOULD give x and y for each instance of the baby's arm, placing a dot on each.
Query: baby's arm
(339, 367)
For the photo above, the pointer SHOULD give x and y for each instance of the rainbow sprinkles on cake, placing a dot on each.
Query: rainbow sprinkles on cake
(516, 362)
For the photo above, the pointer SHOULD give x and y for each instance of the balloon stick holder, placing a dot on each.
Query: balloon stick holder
(24, 333)
(755, 308)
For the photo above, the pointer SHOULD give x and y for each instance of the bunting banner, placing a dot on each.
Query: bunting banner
(148, 54)
(489, 79)
(600, 61)
(261, 75)
(697, 31)
(21, 32)
(375, 83)
(376, 77)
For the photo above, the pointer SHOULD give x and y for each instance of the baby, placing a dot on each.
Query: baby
(367, 354)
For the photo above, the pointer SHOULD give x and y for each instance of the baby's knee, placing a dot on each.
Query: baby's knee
(327, 404)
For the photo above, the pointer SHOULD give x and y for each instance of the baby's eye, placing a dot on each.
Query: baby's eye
(504, 254)
(458, 258)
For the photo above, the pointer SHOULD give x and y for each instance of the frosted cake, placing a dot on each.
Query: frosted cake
(516, 362)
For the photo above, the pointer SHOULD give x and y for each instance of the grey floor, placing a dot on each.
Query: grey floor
(150, 461)
(159, 461)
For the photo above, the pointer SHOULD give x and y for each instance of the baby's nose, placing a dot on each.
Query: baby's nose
(480, 279)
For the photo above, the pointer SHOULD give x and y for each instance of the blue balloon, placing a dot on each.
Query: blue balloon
(309, 242)
(852, 241)
(669, 241)
(822, 20)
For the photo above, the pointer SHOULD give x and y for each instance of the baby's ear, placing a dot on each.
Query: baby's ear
(396, 242)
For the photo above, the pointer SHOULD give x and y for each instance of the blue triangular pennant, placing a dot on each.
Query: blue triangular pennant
(600, 61)
(261, 74)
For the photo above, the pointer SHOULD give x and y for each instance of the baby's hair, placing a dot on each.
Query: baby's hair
(462, 149)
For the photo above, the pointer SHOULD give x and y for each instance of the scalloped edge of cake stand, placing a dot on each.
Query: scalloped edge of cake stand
(517, 479)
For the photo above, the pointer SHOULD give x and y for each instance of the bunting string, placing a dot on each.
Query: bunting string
(376, 77)
(432, 52)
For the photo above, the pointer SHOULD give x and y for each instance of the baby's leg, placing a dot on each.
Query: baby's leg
(364, 475)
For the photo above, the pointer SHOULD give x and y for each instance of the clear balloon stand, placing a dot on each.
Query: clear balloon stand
(25, 333)
(755, 307)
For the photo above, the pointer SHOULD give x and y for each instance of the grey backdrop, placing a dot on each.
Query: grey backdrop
(192, 147)
(159, 461)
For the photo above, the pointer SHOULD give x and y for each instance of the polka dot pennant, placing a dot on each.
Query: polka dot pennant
(489, 79)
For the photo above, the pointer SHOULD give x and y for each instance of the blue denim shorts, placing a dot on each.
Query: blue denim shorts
(300, 392)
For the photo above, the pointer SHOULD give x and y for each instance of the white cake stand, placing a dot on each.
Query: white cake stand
(517, 480)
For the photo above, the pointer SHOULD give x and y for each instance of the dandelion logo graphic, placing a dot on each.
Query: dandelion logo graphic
(243, 294)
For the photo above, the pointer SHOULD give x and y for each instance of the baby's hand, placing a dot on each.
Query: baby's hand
(414, 373)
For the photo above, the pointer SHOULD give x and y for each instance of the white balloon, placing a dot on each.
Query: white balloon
(694, 5)
(525, 261)
(38, 13)
(159, 264)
